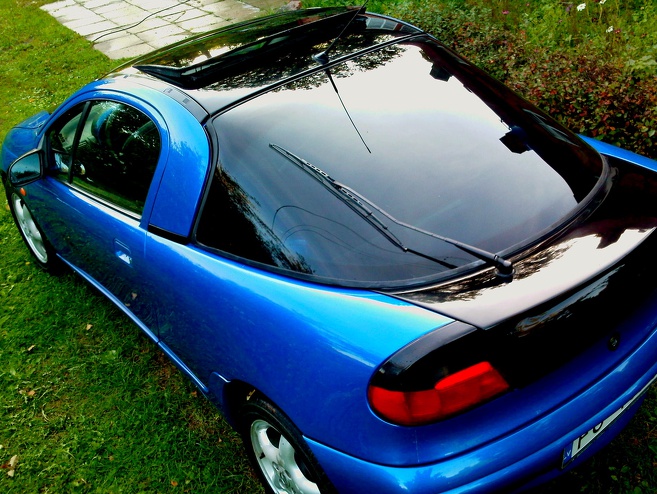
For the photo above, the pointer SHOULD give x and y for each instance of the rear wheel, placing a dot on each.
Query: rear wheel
(277, 451)
(31, 233)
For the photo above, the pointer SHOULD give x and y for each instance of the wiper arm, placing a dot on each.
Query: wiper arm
(359, 204)
(504, 266)
(347, 196)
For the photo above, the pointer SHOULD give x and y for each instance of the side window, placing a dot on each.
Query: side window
(60, 141)
(107, 148)
(117, 153)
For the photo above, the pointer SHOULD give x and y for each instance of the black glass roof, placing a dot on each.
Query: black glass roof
(265, 51)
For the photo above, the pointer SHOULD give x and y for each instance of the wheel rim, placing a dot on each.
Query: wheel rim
(279, 461)
(29, 229)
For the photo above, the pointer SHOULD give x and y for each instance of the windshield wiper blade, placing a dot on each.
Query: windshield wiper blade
(346, 195)
(360, 203)
(504, 266)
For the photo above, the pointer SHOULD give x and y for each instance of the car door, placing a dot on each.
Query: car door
(101, 158)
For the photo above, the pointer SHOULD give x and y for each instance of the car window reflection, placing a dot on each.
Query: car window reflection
(111, 155)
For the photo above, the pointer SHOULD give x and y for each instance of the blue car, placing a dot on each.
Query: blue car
(390, 273)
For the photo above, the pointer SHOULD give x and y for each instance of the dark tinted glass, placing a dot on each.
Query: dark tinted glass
(117, 154)
(269, 50)
(423, 138)
(60, 142)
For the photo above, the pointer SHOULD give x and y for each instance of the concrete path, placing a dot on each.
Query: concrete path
(128, 28)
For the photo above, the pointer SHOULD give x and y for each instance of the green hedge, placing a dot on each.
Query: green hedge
(590, 64)
(598, 81)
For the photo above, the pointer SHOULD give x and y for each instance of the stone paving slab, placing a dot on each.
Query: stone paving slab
(129, 28)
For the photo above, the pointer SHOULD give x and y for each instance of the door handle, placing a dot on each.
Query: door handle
(122, 252)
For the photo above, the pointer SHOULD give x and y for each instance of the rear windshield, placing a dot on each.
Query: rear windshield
(352, 175)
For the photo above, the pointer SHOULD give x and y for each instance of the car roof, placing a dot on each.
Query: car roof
(413, 130)
(224, 67)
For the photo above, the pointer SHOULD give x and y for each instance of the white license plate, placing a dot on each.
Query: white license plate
(582, 442)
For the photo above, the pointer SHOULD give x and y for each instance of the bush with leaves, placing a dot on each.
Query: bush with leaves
(596, 99)
(598, 82)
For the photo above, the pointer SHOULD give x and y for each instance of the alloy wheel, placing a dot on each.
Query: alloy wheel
(278, 461)
(29, 229)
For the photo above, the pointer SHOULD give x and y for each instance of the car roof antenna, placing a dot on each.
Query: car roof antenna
(335, 88)
(323, 58)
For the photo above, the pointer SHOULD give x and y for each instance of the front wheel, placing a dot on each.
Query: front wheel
(31, 233)
(277, 451)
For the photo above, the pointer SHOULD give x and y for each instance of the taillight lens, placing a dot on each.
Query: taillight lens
(450, 395)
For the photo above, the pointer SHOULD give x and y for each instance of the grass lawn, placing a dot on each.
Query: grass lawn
(87, 404)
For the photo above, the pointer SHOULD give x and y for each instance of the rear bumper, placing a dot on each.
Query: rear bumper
(532, 452)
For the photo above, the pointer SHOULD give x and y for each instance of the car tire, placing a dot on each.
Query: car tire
(282, 459)
(33, 236)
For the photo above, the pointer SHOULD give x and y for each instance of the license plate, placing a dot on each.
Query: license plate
(576, 447)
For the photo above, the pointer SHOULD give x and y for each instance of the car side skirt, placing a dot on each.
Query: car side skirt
(168, 352)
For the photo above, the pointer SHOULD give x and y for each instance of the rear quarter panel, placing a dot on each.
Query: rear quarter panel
(311, 349)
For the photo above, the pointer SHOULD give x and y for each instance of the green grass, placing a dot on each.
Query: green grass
(88, 404)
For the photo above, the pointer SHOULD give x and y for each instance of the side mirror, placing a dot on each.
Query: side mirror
(26, 169)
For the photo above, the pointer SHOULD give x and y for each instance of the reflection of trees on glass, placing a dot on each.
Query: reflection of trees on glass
(117, 154)
(230, 223)
(363, 63)
(287, 63)
(470, 288)
(264, 53)
(239, 39)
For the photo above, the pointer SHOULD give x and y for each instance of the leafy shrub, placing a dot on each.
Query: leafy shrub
(597, 99)
(575, 68)
(594, 68)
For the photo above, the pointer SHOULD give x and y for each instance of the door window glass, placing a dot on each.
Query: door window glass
(117, 153)
(61, 139)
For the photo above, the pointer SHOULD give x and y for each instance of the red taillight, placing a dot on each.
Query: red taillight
(406, 407)
(452, 394)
